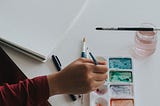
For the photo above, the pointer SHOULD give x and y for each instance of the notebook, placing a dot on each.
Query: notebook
(36, 27)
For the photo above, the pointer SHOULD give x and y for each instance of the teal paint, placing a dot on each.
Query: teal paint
(120, 63)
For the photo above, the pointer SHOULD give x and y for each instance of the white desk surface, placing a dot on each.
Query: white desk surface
(102, 43)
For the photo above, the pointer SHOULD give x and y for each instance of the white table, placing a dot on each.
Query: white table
(102, 43)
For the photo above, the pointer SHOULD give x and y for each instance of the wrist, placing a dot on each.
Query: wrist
(53, 84)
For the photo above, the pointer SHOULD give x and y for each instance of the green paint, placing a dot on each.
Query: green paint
(120, 76)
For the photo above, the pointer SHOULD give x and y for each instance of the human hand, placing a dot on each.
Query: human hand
(81, 76)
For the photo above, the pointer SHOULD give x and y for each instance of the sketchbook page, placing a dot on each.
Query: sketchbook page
(36, 25)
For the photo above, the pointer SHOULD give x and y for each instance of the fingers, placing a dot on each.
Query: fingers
(100, 69)
(86, 60)
(95, 73)
(98, 80)
(98, 84)
(102, 63)
(99, 77)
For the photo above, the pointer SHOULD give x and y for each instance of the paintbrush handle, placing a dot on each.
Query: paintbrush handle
(129, 29)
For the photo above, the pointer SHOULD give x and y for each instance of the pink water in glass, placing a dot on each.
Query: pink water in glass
(145, 43)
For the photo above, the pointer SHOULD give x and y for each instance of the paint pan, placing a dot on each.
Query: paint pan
(121, 91)
(120, 76)
(120, 63)
(101, 102)
(122, 102)
(118, 90)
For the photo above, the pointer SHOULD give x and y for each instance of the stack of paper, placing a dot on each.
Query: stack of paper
(35, 27)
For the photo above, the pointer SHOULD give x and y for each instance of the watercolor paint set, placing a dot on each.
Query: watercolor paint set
(118, 90)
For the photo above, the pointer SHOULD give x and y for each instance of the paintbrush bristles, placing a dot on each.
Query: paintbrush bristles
(84, 39)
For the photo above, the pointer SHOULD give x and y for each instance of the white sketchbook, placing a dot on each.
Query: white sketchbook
(35, 27)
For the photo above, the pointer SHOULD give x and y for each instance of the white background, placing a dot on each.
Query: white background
(106, 13)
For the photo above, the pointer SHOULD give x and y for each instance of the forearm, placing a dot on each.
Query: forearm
(28, 92)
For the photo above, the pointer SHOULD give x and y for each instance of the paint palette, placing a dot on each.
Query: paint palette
(118, 90)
